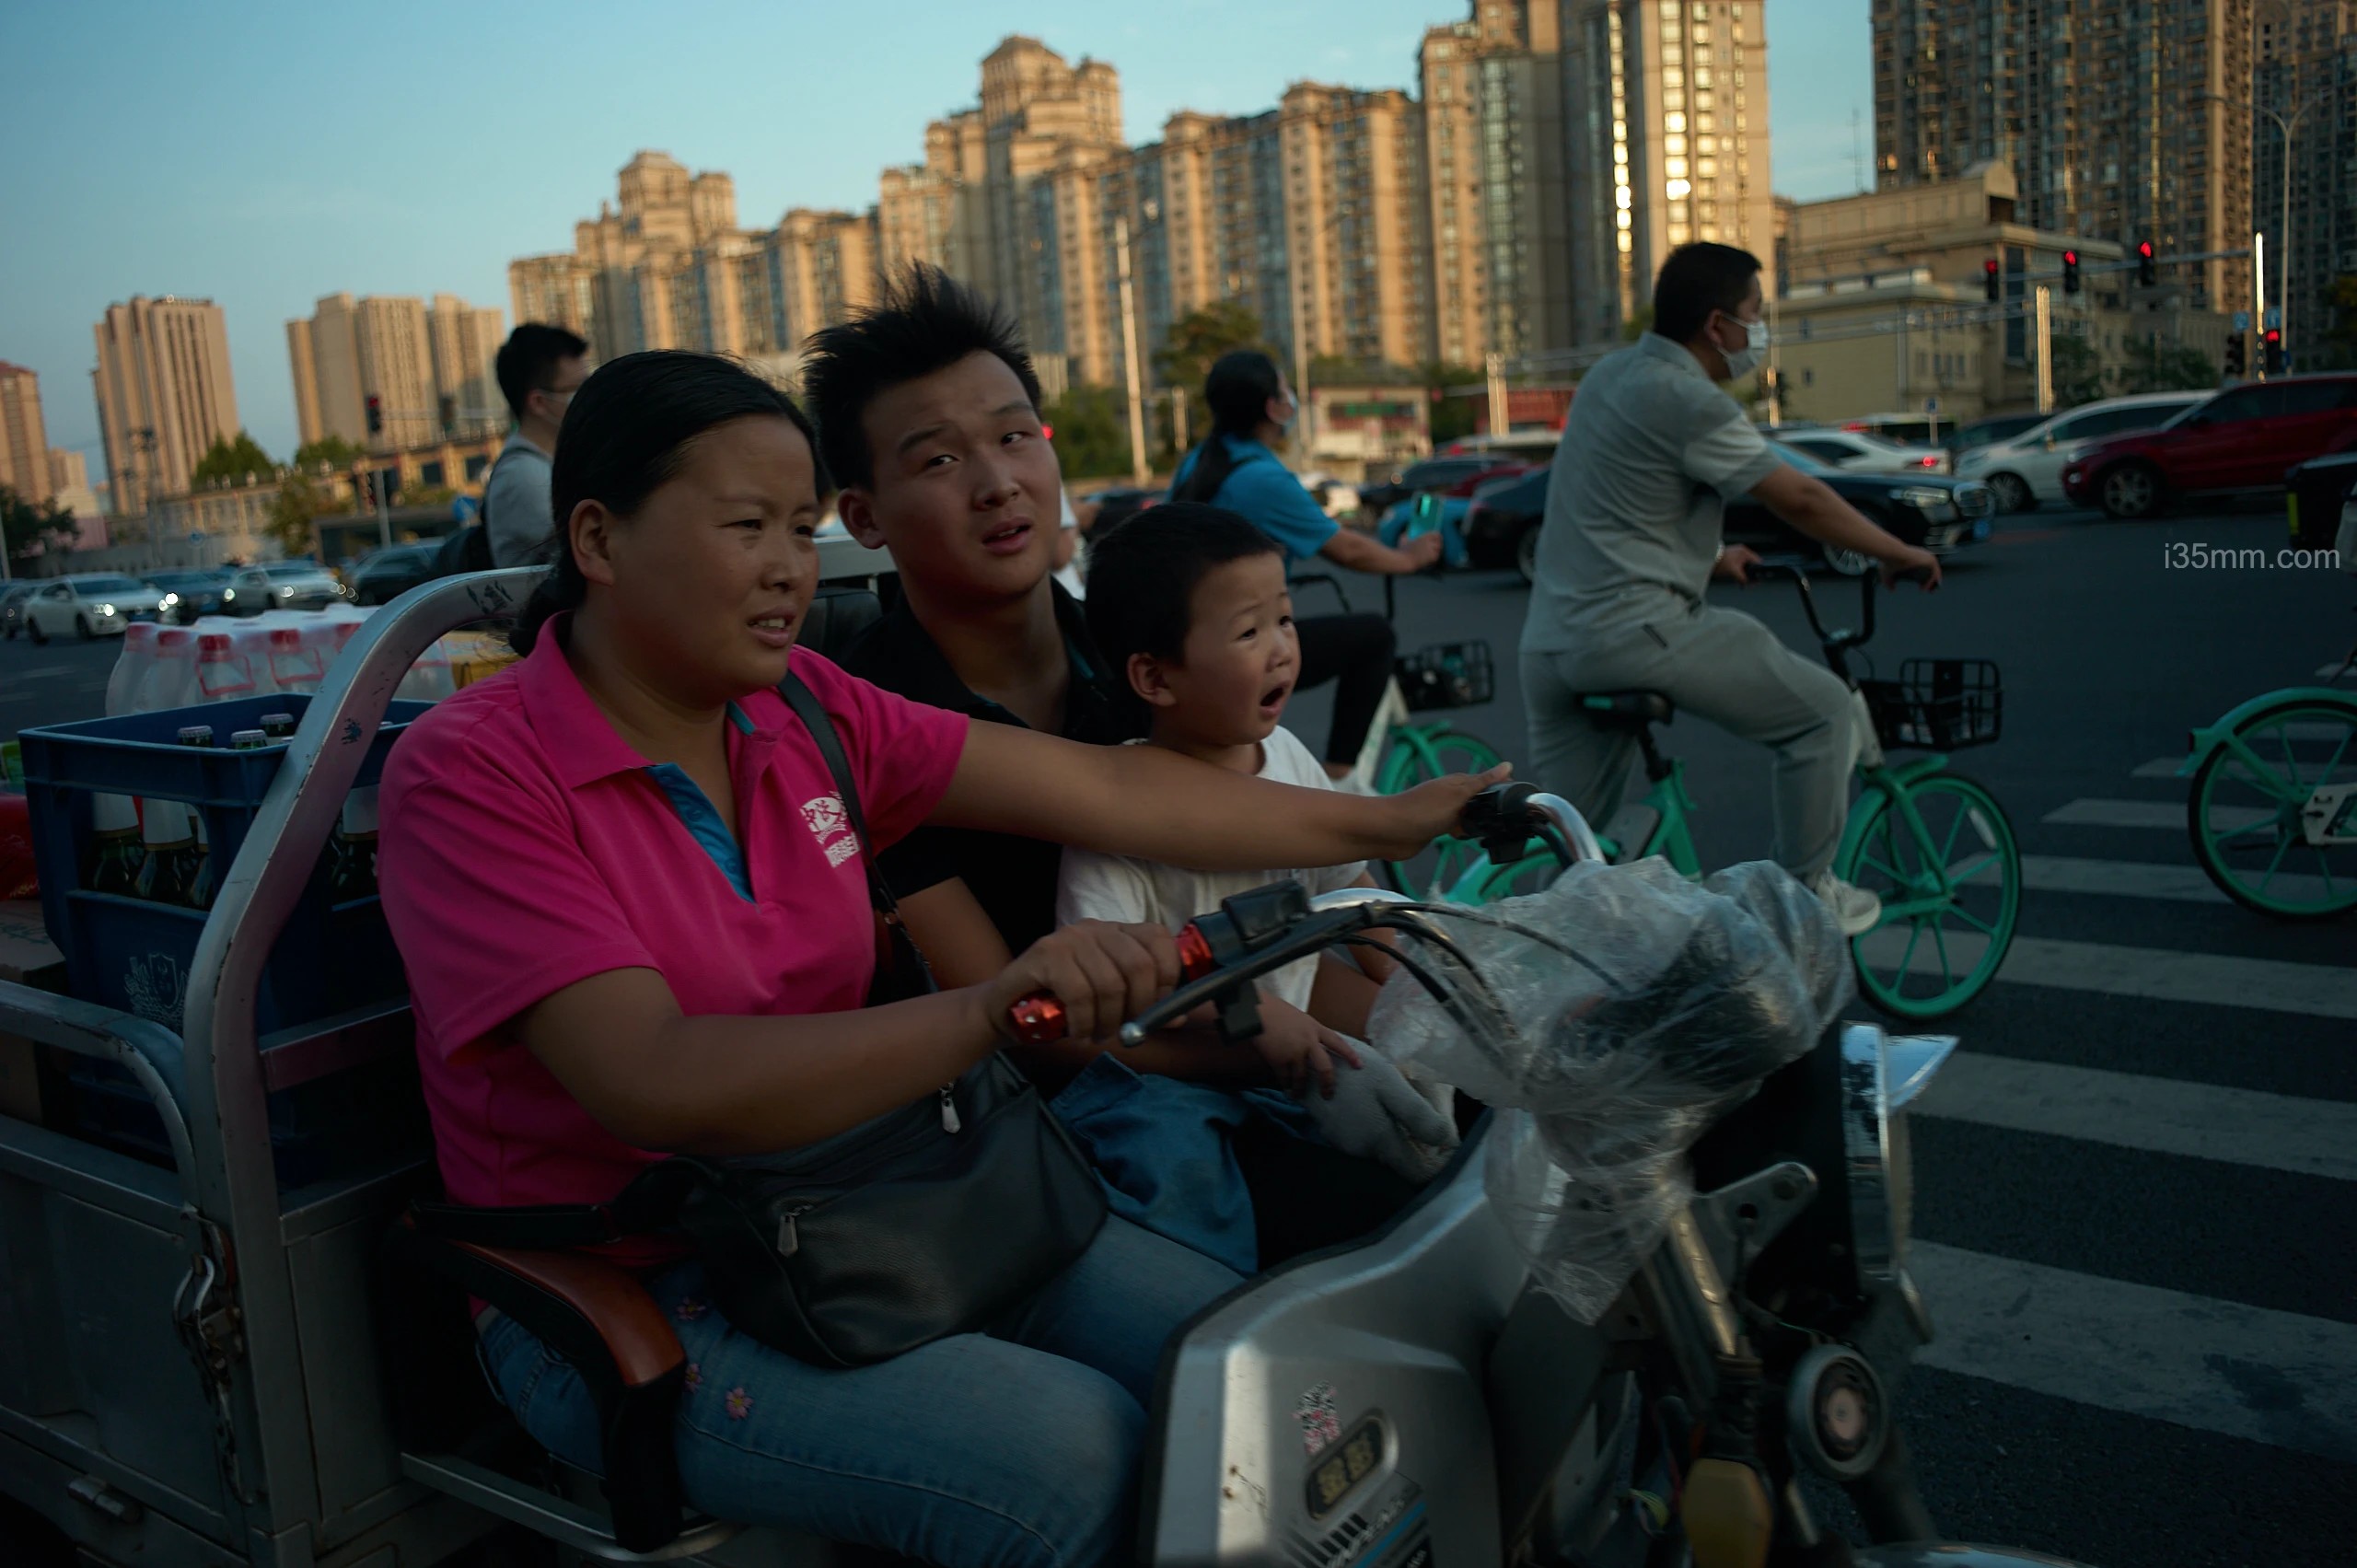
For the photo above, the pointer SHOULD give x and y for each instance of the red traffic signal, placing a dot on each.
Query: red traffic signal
(2070, 271)
(376, 415)
(2274, 343)
(2145, 273)
(1989, 280)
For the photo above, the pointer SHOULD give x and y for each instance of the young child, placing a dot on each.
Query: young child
(1189, 603)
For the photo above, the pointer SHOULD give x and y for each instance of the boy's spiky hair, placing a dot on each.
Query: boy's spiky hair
(925, 322)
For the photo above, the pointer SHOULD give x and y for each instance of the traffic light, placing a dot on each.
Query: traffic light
(376, 415)
(2146, 274)
(2070, 271)
(448, 407)
(2275, 351)
(2236, 362)
(1990, 281)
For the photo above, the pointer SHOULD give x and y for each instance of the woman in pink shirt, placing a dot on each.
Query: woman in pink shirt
(636, 923)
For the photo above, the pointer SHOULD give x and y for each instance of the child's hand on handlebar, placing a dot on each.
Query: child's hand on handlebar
(1431, 810)
(1298, 1048)
(1102, 973)
(1913, 562)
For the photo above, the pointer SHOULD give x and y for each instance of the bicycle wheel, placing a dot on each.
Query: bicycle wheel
(1418, 753)
(1950, 898)
(2246, 821)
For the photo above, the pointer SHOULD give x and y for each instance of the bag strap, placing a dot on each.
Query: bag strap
(805, 706)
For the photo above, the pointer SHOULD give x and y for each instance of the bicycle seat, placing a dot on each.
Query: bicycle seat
(1626, 710)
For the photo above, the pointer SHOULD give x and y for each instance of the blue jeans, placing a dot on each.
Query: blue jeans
(1018, 1448)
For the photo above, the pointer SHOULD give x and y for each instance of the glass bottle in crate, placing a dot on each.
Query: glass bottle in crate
(278, 726)
(248, 740)
(116, 852)
(167, 836)
(351, 865)
(200, 860)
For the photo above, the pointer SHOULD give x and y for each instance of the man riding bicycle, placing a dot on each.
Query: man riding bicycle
(1650, 452)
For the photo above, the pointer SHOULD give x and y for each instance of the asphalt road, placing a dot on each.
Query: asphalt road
(2133, 1188)
(2133, 1210)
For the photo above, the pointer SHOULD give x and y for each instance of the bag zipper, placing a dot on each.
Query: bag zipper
(789, 1239)
(949, 1122)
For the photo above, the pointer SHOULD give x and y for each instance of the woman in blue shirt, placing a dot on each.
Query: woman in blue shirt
(1236, 467)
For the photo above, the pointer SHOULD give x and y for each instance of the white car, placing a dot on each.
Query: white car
(2027, 469)
(88, 605)
(1857, 452)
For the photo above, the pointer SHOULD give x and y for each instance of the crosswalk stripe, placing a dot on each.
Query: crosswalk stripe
(2147, 814)
(2248, 1372)
(2155, 973)
(2158, 768)
(2165, 1116)
(2148, 879)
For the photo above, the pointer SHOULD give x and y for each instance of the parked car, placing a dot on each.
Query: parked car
(12, 607)
(1434, 474)
(1501, 525)
(1939, 513)
(2317, 495)
(187, 595)
(88, 604)
(281, 584)
(2027, 469)
(1984, 432)
(383, 575)
(1854, 451)
(2244, 439)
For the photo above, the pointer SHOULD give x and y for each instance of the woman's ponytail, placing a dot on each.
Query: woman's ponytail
(1237, 390)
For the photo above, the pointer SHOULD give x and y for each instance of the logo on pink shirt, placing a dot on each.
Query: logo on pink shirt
(830, 827)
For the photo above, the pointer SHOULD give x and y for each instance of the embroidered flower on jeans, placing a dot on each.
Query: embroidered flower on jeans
(690, 1310)
(740, 1404)
(695, 1377)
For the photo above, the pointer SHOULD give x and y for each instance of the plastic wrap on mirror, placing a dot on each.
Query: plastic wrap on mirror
(1619, 1013)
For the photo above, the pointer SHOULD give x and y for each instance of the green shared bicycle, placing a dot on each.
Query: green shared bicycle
(1933, 845)
(2273, 808)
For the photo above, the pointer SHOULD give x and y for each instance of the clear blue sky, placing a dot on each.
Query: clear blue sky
(263, 154)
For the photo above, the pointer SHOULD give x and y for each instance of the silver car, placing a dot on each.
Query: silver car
(89, 605)
(2026, 468)
(281, 584)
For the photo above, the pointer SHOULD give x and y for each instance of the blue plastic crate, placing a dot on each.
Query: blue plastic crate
(134, 956)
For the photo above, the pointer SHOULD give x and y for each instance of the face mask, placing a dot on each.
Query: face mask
(1740, 361)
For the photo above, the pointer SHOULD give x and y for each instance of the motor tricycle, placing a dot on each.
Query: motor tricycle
(204, 1362)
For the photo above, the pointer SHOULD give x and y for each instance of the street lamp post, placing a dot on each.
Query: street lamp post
(2283, 265)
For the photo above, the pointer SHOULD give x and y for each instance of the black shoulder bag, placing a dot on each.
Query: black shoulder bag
(935, 1219)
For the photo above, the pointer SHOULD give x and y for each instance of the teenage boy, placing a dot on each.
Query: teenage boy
(539, 367)
(928, 418)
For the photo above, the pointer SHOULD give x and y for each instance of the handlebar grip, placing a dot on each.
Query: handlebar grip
(1499, 807)
(1038, 1019)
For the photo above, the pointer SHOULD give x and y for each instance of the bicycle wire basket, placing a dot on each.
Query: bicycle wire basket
(1447, 675)
(1938, 704)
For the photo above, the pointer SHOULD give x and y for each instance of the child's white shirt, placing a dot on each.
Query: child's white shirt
(1113, 887)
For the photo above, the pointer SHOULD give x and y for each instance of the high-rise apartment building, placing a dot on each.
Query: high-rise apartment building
(464, 342)
(24, 439)
(2102, 108)
(1667, 145)
(668, 268)
(2306, 71)
(937, 212)
(1357, 218)
(1492, 91)
(164, 394)
(407, 357)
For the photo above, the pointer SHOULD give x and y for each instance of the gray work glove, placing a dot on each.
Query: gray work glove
(1377, 1114)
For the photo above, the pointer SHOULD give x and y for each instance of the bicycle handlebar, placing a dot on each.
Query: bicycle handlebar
(1835, 642)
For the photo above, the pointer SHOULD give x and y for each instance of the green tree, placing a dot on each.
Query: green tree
(2077, 371)
(34, 528)
(1453, 417)
(302, 497)
(333, 450)
(1092, 433)
(1200, 337)
(232, 462)
(2157, 367)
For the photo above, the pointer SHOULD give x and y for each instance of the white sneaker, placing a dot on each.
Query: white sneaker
(1855, 910)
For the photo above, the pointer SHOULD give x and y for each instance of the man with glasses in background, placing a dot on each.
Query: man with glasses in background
(538, 367)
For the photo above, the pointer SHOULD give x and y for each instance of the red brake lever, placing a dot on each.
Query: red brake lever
(1038, 1019)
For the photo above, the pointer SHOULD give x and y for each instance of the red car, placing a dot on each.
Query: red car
(2244, 439)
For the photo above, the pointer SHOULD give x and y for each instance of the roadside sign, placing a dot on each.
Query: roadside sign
(1931, 405)
(2242, 320)
(2274, 317)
